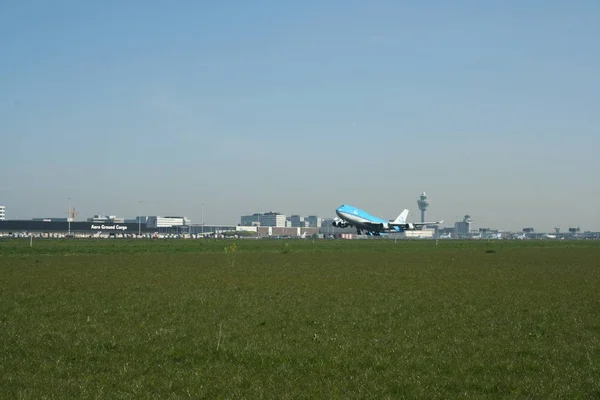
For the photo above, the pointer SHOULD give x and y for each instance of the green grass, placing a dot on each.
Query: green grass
(335, 319)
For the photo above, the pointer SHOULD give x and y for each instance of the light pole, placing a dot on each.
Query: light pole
(69, 217)
(140, 218)
(202, 220)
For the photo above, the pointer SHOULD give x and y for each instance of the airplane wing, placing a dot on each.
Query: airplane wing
(400, 222)
(411, 225)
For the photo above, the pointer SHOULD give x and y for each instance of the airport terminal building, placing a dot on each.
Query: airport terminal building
(98, 224)
(62, 227)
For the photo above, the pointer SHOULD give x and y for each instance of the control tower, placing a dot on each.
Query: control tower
(423, 204)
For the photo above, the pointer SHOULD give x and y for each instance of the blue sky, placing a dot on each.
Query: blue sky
(298, 107)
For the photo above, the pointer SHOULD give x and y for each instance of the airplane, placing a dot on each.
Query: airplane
(349, 216)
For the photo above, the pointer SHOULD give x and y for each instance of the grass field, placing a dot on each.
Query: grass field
(124, 319)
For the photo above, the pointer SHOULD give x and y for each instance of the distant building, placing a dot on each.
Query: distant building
(273, 219)
(463, 228)
(167, 222)
(314, 221)
(297, 221)
(2, 213)
(445, 231)
(137, 220)
(250, 220)
(106, 218)
(424, 233)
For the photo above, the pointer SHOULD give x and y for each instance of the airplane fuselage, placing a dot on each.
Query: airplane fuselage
(348, 216)
(362, 220)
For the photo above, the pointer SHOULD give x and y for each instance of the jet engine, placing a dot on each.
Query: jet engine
(384, 226)
(406, 227)
(339, 223)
